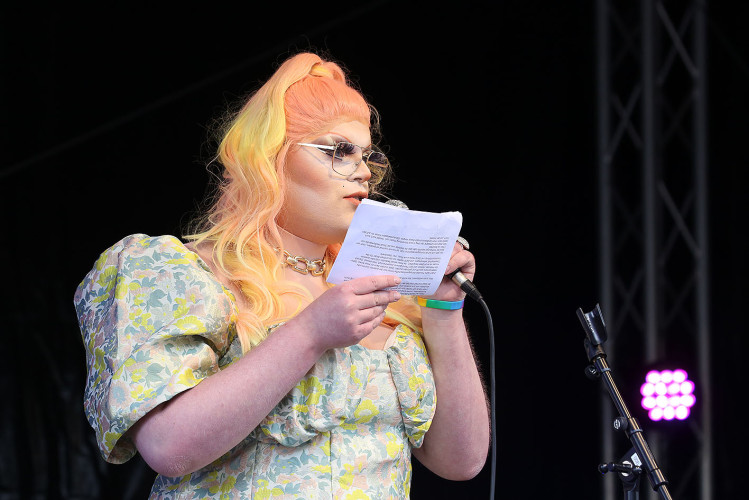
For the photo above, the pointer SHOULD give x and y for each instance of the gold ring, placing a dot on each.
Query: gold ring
(463, 242)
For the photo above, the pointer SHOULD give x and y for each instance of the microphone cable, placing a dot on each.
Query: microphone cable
(492, 399)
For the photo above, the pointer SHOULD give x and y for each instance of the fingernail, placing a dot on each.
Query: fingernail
(397, 280)
(396, 296)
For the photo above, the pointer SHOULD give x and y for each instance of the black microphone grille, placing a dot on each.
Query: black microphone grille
(397, 203)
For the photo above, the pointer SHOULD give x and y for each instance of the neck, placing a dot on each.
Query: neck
(296, 245)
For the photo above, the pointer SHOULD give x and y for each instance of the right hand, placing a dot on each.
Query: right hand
(348, 312)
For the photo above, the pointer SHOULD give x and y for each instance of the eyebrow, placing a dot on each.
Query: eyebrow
(346, 139)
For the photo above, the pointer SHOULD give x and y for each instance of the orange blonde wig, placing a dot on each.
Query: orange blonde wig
(303, 99)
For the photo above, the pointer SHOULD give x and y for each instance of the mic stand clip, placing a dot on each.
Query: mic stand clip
(628, 472)
(639, 457)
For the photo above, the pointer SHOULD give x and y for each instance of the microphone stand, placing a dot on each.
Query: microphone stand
(639, 457)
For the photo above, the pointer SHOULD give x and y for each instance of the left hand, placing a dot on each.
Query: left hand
(460, 258)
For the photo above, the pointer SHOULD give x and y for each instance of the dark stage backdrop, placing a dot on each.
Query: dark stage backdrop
(487, 108)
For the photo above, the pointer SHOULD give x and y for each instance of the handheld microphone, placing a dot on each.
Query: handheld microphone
(458, 277)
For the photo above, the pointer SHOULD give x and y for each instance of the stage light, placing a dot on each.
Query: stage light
(667, 394)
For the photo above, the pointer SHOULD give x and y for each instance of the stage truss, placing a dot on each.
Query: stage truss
(653, 226)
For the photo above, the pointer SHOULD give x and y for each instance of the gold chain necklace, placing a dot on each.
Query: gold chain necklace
(303, 265)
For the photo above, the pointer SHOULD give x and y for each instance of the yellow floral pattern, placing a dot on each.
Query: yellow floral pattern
(155, 322)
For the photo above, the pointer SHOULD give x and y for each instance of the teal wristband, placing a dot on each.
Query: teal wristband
(440, 304)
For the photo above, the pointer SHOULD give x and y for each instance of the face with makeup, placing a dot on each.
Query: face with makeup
(320, 202)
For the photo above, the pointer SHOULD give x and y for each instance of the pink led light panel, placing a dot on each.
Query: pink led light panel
(667, 394)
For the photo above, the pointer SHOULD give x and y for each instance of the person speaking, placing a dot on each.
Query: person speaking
(225, 359)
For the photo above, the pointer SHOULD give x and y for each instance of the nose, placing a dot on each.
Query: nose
(362, 172)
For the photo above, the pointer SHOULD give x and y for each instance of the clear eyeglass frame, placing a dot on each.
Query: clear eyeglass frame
(346, 157)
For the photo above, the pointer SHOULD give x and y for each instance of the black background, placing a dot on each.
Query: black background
(487, 108)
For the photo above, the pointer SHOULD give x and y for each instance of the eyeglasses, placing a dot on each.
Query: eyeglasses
(346, 157)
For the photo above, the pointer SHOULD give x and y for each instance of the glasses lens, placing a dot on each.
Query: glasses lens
(347, 157)
(378, 164)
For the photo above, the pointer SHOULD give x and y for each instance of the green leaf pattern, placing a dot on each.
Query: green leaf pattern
(155, 321)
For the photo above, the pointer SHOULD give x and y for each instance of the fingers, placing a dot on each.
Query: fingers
(376, 321)
(461, 259)
(372, 292)
(346, 313)
(384, 297)
(377, 301)
(369, 284)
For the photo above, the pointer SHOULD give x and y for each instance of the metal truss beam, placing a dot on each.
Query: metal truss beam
(653, 225)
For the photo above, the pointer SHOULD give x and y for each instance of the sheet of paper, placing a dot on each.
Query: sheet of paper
(385, 239)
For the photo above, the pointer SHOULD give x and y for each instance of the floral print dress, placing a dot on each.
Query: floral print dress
(155, 322)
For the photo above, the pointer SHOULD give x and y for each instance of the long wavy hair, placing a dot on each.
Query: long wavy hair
(304, 98)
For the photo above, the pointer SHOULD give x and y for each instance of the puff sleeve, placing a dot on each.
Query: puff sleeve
(414, 382)
(155, 322)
